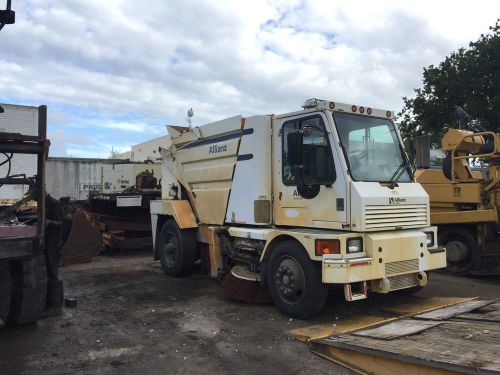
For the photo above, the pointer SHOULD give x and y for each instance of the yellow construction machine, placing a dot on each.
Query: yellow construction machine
(465, 200)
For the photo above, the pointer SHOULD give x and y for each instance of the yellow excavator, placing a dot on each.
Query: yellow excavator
(465, 197)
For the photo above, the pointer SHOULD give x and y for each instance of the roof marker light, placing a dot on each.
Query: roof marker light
(361, 109)
(354, 108)
(388, 113)
(331, 105)
(369, 111)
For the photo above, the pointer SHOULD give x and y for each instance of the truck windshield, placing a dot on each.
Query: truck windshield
(372, 148)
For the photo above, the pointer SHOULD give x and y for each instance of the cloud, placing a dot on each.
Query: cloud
(117, 71)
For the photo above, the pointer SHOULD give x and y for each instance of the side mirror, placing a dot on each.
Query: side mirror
(294, 141)
(422, 146)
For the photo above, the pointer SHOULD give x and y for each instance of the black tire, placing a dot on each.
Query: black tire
(29, 289)
(294, 281)
(177, 249)
(446, 167)
(462, 249)
(5, 290)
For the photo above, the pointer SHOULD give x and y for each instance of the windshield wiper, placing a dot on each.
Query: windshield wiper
(397, 175)
(405, 165)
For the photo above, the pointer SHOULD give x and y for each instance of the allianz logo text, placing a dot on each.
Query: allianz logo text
(396, 200)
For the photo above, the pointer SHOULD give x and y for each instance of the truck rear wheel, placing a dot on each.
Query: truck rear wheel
(29, 289)
(176, 249)
(295, 281)
(5, 290)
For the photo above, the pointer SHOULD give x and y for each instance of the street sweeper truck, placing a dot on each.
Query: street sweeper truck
(296, 203)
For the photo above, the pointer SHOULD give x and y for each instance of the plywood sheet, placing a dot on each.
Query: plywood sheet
(397, 329)
(451, 311)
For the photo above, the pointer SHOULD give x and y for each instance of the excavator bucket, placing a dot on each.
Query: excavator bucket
(84, 241)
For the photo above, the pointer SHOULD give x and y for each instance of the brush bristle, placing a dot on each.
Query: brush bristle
(244, 290)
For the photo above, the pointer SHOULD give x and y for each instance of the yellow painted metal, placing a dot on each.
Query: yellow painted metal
(182, 213)
(436, 176)
(469, 197)
(412, 306)
(364, 363)
(455, 137)
(463, 217)
(319, 331)
(216, 263)
(492, 184)
(454, 193)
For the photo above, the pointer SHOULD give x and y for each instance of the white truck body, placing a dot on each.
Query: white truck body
(236, 174)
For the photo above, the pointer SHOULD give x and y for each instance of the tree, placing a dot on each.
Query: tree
(469, 78)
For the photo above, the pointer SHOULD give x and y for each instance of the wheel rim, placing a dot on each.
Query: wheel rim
(170, 249)
(290, 280)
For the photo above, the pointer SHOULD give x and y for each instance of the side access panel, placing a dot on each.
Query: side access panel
(250, 198)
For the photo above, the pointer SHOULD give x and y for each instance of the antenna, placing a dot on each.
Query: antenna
(190, 114)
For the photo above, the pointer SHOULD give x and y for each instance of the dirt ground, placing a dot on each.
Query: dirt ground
(133, 319)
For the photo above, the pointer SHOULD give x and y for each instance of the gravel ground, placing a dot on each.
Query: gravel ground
(133, 319)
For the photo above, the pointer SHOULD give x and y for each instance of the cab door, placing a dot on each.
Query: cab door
(314, 194)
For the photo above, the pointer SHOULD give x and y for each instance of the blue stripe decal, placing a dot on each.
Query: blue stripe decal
(244, 157)
(221, 138)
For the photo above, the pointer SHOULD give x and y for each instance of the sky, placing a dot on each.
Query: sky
(113, 73)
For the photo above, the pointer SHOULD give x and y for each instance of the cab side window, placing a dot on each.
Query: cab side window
(318, 167)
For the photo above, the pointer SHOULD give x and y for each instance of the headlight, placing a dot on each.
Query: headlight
(430, 238)
(354, 245)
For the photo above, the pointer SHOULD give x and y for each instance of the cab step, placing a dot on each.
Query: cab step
(356, 291)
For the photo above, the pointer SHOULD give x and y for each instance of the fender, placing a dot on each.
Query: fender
(180, 210)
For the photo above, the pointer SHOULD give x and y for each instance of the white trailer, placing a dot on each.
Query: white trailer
(298, 202)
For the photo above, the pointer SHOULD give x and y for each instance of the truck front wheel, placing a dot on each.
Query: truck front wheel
(295, 281)
(176, 249)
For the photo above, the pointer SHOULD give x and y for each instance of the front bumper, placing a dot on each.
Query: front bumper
(345, 271)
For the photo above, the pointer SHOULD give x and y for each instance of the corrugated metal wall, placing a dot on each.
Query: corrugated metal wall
(76, 177)
(73, 177)
(24, 120)
(19, 119)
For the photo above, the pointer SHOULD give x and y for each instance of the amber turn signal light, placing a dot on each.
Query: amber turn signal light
(327, 247)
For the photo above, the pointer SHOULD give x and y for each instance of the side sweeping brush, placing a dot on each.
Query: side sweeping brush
(244, 289)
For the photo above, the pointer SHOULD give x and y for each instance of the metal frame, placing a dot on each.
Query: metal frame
(15, 245)
(457, 148)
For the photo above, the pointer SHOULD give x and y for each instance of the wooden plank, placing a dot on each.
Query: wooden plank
(397, 329)
(489, 313)
(451, 311)
(377, 315)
